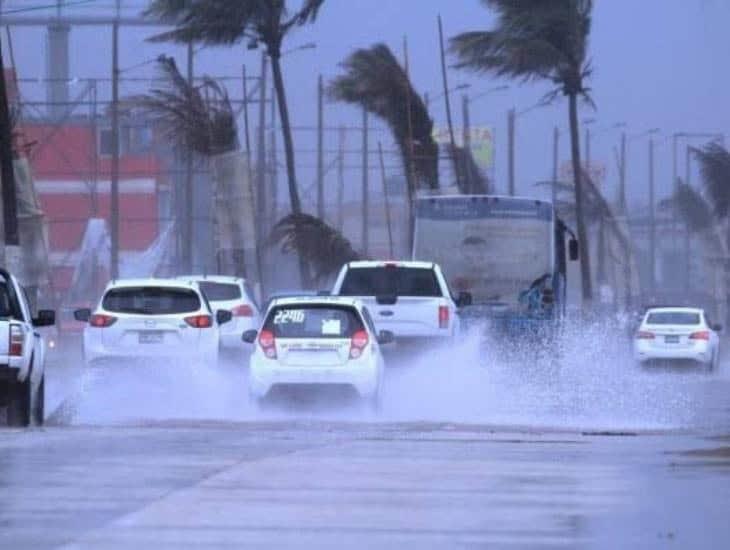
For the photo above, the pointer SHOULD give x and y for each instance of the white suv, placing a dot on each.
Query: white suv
(410, 299)
(233, 294)
(152, 318)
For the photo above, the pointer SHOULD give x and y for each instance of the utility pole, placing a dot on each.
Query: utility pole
(188, 232)
(7, 171)
(320, 148)
(687, 238)
(114, 202)
(466, 140)
(387, 201)
(273, 169)
(588, 148)
(511, 115)
(246, 132)
(652, 221)
(261, 153)
(622, 176)
(340, 176)
(554, 184)
(365, 186)
(448, 104)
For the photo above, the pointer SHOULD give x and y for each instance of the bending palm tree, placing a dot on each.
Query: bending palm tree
(222, 22)
(540, 40)
(374, 79)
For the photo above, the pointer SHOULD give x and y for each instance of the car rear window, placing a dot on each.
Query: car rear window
(390, 281)
(313, 321)
(673, 318)
(218, 292)
(150, 300)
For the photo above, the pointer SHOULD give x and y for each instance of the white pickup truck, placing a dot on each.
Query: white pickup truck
(408, 298)
(22, 355)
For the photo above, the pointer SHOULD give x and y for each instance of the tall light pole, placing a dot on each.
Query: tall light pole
(114, 176)
(452, 141)
(512, 115)
(652, 206)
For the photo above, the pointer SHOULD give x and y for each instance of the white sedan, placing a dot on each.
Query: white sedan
(317, 341)
(142, 319)
(673, 333)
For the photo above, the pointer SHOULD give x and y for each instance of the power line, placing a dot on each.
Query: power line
(67, 4)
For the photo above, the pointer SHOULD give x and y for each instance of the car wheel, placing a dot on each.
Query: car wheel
(40, 404)
(19, 403)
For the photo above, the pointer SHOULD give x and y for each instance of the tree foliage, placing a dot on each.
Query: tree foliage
(221, 22)
(325, 248)
(373, 79)
(714, 162)
(197, 118)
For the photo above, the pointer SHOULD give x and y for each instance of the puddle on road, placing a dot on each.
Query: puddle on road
(594, 385)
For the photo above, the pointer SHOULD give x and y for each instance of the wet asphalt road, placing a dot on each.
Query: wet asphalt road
(635, 461)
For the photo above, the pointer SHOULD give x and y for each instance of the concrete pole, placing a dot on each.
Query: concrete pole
(114, 199)
(447, 100)
(511, 115)
(387, 201)
(652, 221)
(261, 153)
(365, 186)
(556, 153)
(340, 176)
(320, 149)
(188, 228)
(622, 175)
(273, 168)
(466, 140)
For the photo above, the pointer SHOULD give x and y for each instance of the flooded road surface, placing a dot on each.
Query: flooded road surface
(468, 450)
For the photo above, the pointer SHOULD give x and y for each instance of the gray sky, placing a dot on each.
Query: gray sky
(657, 63)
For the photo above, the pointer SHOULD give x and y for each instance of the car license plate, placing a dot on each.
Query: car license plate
(150, 337)
(673, 339)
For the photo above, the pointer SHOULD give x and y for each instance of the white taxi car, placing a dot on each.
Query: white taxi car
(677, 333)
(152, 319)
(317, 341)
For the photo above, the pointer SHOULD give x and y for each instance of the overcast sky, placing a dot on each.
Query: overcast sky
(657, 64)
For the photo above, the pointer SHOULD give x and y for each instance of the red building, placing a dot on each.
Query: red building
(71, 167)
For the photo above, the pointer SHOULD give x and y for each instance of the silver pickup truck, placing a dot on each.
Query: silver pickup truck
(22, 355)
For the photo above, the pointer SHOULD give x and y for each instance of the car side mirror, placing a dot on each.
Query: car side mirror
(573, 252)
(223, 316)
(464, 299)
(386, 337)
(250, 336)
(717, 327)
(82, 315)
(45, 318)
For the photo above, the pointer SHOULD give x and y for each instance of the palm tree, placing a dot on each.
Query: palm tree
(540, 40)
(374, 80)
(224, 22)
(198, 119)
(327, 249)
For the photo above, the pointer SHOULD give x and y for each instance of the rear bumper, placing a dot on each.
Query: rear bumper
(699, 352)
(98, 354)
(265, 374)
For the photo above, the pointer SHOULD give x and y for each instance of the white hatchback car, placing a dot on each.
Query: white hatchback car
(233, 294)
(674, 333)
(317, 341)
(152, 319)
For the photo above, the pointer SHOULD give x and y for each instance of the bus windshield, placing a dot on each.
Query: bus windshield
(492, 247)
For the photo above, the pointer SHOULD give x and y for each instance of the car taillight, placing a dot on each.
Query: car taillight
(199, 321)
(100, 320)
(267, 341)
(644, 335)
(16, 341)
(357, 343)
(701, 335)
(243, 310)
(443, 316)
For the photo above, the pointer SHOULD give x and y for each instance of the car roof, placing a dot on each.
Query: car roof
(166, 283)
(397, 263)
(674, 309)
(317, 301)
(213, 278)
